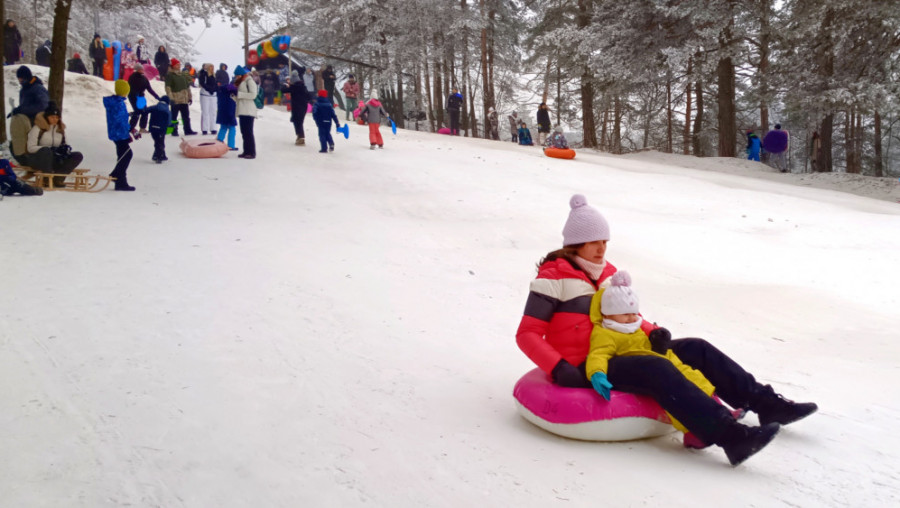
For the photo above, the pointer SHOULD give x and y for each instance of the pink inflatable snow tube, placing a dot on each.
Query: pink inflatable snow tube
(203, 148)
(444, 130)
(581, 413)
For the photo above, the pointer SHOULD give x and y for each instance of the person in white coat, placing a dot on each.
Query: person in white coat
(246, 110)
(209, 103)
(44, 140)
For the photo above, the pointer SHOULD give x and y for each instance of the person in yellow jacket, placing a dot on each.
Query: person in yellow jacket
(615, 313)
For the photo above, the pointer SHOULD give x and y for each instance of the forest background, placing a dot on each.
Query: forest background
(687, 76)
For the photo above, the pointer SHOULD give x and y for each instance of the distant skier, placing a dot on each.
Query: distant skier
(777, 142)
(323, 113)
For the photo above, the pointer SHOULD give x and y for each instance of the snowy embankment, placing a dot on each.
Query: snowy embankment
(338, 330)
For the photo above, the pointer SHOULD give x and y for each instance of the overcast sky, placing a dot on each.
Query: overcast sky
(220, 43)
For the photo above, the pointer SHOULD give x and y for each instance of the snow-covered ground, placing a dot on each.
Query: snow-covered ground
(338, 330)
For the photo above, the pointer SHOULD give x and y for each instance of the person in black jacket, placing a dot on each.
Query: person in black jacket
(139, 84)
(161, 60)
(222, 77)
(12, 43)
(300, 99)
(75, 64)
(328, 80)
(33, 97)
(42, 53)
(454, 105)
(543, 121)
(98, 55)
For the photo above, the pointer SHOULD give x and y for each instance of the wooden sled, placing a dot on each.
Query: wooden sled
(80, 181)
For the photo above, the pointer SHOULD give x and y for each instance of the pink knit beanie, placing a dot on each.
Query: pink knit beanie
(618, 298)
(585, 224)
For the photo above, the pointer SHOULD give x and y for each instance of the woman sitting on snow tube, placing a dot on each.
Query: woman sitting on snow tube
(555, 334)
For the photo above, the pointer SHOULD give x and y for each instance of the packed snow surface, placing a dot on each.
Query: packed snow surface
(312, 329)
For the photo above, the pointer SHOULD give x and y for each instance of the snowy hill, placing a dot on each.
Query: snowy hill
(338, 330)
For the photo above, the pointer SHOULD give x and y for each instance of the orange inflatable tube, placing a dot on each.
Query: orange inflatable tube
(559, 153)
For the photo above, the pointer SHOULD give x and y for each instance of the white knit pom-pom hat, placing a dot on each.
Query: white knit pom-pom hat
(618, 298)
(585, 224)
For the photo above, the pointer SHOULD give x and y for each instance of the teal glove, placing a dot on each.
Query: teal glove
(601, 384)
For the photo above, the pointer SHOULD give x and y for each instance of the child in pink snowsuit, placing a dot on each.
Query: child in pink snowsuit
(372, 113)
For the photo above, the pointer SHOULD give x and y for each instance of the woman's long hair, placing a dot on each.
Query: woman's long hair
(568, 253)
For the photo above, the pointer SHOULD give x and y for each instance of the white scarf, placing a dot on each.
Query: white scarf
(626, 328)
(594, 270)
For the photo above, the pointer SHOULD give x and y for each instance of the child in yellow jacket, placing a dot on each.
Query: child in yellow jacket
(617, 332)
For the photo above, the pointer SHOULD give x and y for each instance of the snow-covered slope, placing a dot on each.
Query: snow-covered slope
(338, 330)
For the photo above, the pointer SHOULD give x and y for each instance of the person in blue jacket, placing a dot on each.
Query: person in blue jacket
(226, 114)
(753, 146)
(10, 184)
(454, 106)
(525, 135)
(160, 119)
(323, 113)
(119, 132)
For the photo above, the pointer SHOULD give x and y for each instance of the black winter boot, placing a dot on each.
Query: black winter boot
(741, 442)
(775, 408)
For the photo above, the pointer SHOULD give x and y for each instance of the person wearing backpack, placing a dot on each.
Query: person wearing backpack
(247, 97)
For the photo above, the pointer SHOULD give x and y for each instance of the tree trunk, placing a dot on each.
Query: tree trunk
(617, 127)
(547, 80)
(589, 127)
(878, 163)
(3, 137)
(669, 141)
(398, 114)
(727, 117)
(438, 88)
(485, 80)
(427, 79)
(698, 122)
(727, 114)
(686, 136)
(604, 142)
(57, 79)
(826, 132)
(764, 42)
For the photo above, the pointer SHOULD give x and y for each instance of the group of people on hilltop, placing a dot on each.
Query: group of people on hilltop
(776, 143)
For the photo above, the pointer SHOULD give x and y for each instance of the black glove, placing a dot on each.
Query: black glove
(660, 340)
(568, 375)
